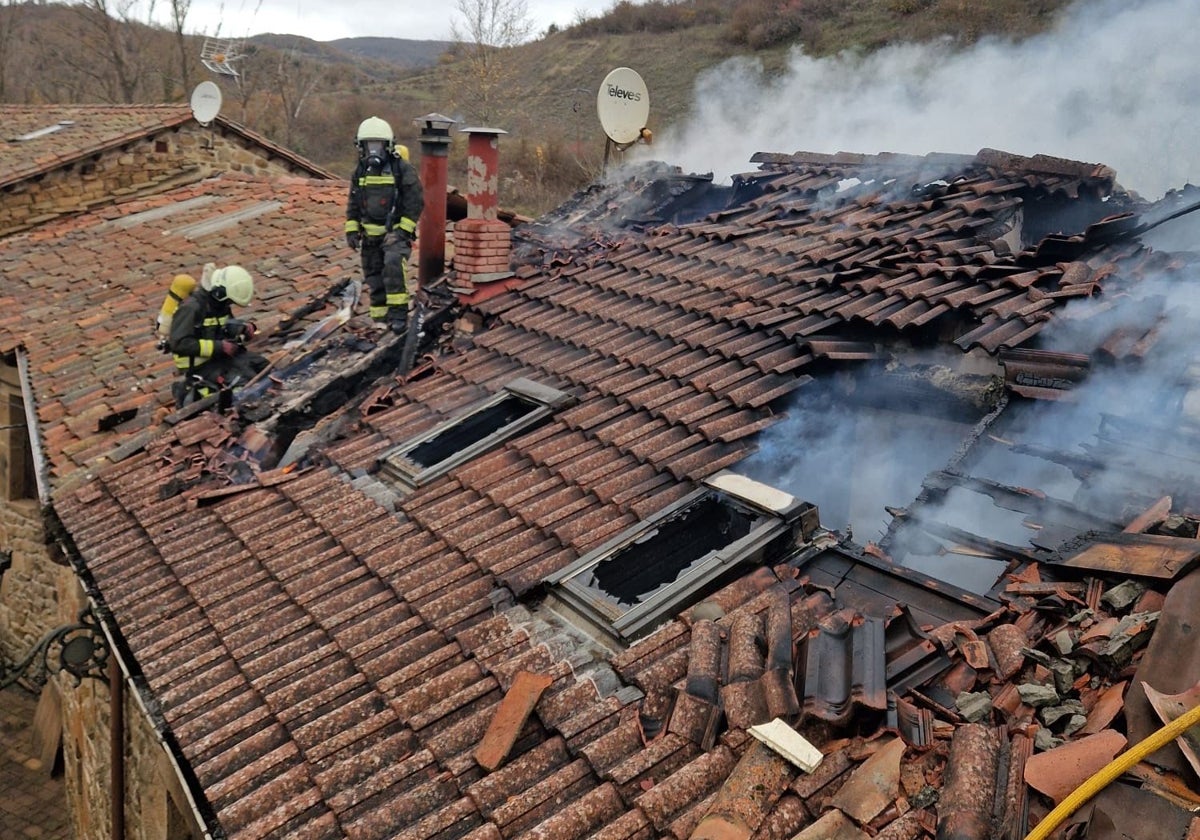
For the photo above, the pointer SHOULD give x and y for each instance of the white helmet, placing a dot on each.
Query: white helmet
(233, 283)
(373, 128)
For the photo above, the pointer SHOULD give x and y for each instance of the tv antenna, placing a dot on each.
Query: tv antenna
(623, 106)
(218, 55)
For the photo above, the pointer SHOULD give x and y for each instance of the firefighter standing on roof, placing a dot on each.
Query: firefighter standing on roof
(385, 202)
(208, 345)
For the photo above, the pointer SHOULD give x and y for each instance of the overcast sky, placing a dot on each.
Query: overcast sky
(323, 20)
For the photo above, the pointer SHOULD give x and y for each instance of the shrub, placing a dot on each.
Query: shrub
(625, 17)
(758, 24)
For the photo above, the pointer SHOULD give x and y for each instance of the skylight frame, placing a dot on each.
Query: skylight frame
(542, 399)
(778, 517)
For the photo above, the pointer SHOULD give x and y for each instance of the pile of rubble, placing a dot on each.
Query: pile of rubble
(1025, 705)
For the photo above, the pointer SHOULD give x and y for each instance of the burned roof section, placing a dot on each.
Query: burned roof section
(338, 656)
(632, 199)
(96, 375)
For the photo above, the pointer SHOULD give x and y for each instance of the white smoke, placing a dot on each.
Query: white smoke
(1115, 82)
(851, 459)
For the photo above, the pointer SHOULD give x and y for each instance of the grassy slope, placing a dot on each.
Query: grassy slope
(555, 135)
(560, 74)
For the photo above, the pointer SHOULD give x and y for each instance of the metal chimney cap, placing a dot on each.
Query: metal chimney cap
(481, 130)
(439, 123)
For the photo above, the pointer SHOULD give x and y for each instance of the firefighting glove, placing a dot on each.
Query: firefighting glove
(353, 239)
(249, 330)
(225, 347)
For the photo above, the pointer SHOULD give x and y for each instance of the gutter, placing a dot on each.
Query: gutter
(116, 738)
(41, 467)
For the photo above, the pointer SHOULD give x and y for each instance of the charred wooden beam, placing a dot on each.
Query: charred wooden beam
(931, 390)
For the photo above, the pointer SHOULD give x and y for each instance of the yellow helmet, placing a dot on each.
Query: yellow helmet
(233, 283)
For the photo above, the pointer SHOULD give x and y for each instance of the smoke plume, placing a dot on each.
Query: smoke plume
(1114, 82)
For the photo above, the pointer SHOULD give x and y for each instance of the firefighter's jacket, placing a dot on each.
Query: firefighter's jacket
(385, 199)
(198, 324)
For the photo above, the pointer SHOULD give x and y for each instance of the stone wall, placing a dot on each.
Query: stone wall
(154, 806)
(38, 593)
(143, 166)
(29, 604)
(30, 586)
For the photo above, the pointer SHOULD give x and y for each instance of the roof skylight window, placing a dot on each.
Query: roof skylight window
(520, 406)
(653, 570)
(42, 132)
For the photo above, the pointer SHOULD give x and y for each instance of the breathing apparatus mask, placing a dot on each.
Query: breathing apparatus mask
(374, 152)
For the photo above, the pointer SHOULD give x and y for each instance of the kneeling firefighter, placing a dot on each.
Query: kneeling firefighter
(385, 201)
(208, 344)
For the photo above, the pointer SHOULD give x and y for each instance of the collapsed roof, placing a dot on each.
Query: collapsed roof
(411, 615)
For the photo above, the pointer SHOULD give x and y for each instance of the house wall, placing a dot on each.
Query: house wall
(39, 593)
(146, 165)
(154, 807)
(30, 588)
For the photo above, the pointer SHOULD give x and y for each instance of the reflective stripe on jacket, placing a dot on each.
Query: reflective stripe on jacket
(196, 327)
(211, 329)
(389, 199)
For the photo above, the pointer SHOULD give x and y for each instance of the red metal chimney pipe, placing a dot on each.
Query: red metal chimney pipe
(482, 242)
(431, 228)
(483, 172)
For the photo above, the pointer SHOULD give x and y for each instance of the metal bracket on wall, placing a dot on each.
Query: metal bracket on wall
(79, 649)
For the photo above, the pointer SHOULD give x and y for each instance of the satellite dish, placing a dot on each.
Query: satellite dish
(623, 104)
(206, 102)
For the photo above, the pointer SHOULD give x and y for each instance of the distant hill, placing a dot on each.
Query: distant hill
(398, 51)
(366, 54)
(310, 96)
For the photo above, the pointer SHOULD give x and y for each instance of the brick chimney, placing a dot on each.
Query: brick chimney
(431, 230)
(482, 243)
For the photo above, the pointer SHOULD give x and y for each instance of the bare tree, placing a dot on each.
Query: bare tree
(488, 30)
(179, 13)
(107, 52)
(8, 40)
(119, 41)
(294, 82)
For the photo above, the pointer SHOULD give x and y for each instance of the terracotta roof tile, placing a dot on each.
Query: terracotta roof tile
(138, 271)
(352, 648)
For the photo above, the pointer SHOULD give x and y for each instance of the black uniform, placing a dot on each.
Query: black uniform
(200, 329)
(385, 201)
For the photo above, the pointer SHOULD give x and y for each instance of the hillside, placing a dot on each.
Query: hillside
(372, 55)
(398, 51)
(310, 95)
